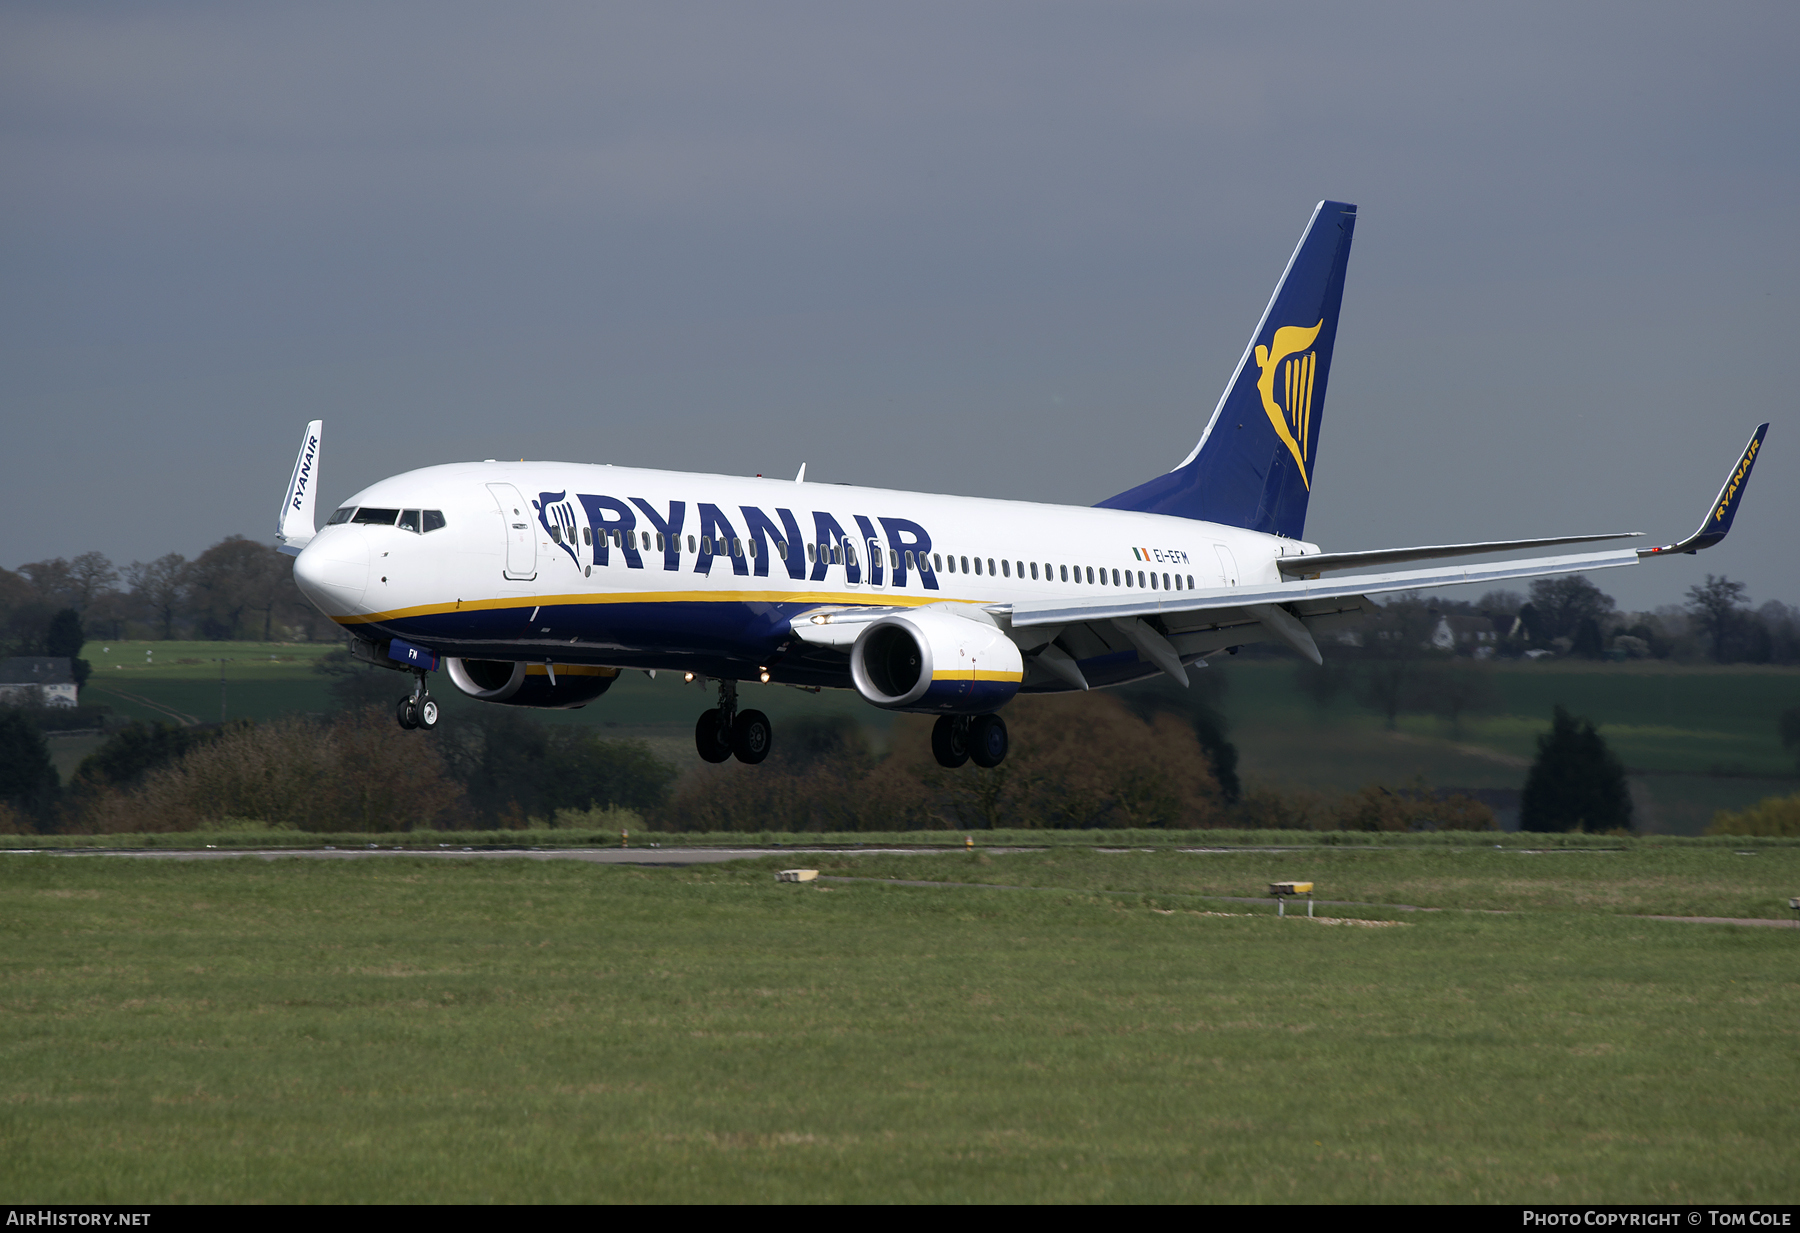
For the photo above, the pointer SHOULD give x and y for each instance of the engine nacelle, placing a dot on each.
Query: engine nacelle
(512, 683)
(937, 662)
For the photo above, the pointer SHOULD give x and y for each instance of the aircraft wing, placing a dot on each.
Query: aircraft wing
(1193, 623)
(1313, 564)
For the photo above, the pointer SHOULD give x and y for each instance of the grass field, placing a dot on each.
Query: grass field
(1699, 738)
(1660, 717)
(412, 1030)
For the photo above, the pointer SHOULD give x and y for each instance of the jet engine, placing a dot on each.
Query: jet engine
(936, 662)
(555, 687)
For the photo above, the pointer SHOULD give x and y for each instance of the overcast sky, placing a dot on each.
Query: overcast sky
(1000, 249)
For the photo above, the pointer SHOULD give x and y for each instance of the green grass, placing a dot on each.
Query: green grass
(415, 1030)
(1657, 716)
(1635, 880)
(1701, 738)
(179, 681)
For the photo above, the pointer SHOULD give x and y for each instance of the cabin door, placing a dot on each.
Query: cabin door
(877, 574)
(1228, 571)
(521, 540)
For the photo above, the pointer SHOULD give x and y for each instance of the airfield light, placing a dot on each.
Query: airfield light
(1795, 904)
(1281, 891)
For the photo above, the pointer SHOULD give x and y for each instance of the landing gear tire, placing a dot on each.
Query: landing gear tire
(950, 740)
(987, 740)
(427, 712)
(711, 741)
(407, 714)
(751, 736)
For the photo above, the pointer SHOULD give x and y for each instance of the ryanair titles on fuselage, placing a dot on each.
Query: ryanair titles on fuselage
(748, 538)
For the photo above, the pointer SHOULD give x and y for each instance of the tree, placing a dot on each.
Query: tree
(64, 639)
(160, 588)
(1717, 605)
(91, 575)
(23, 615)
(1198, 705)
(1560, 605)
(52, 581)
(28, 779)
(1576, 782)
(1588, 643)
(134, 751)
(233, 578)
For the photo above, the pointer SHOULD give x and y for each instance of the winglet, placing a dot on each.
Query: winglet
(294, 526)
(1717, 523)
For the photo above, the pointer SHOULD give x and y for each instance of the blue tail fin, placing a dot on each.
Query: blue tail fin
(1253, 467)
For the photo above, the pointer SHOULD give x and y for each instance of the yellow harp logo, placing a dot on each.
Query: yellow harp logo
(1290, 363)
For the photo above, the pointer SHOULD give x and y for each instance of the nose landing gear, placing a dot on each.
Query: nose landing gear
(418, 709)
(725, 731)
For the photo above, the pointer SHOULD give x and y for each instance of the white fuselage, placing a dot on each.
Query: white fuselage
(708, 571)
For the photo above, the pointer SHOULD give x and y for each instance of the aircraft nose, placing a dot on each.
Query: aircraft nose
(333, 572)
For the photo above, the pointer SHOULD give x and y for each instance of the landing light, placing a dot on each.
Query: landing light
(689, 678)
(764, 676)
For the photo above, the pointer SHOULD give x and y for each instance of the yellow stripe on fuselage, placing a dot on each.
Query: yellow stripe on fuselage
(862, 599)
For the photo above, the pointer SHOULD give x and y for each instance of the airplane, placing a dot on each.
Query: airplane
(534, 584)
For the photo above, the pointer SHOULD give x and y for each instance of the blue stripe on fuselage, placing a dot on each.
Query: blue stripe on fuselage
(733, 639)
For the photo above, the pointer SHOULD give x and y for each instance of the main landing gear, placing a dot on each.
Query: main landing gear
(418, 709)
(956, 739)
(726, 731)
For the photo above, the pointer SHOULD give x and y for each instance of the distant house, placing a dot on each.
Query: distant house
(42, 679)
(1466, 635)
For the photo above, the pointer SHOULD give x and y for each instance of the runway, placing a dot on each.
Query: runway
(596, 856)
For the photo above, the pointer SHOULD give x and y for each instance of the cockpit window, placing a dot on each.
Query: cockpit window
(409, 520)
(342, 515)
(376, 517)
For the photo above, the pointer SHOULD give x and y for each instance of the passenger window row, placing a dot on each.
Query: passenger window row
(1067, 573)
(844, 552)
